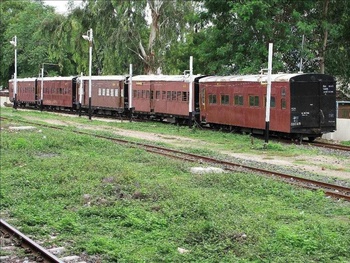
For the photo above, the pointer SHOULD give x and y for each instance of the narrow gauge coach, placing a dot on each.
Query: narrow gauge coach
(48, 92)
(302, 105)
(164, 96)
(108, 94)
(27, 94)
(57, 92)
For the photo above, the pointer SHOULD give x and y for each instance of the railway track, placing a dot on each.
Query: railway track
(316, 144)
(12, 240)
(33, 251)
(333, 190)
(331, 146)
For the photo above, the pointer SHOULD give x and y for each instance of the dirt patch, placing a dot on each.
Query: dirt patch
(323, 165)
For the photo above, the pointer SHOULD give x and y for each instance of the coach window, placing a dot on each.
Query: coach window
(152, 96)
(253, 101)
(283, 104)
(168, 95)
(134, 93)
(272, 102)
(173, 95)
(157, 94)
(212, 99)
(203, 97)
(184, 96)
(239, 100)
(112, 92)
(283, 92)
(163, 95)
(178, 96)
(225, 99)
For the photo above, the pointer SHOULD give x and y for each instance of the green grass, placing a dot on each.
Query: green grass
(213, 140)
(131, 206)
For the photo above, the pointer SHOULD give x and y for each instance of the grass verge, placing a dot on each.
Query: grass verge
(131, 206)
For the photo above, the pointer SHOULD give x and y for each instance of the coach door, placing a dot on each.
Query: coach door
(152, 96)
(74, 91)
(118, 93)
(305, 104)
(327, 90)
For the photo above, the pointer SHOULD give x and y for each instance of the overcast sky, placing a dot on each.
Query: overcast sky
(61, 5)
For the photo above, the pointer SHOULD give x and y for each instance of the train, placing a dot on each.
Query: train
(301, 104)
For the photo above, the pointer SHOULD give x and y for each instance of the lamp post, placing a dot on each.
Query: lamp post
(89, 38)
(268, 95)
(130, 92)
(190, 90)
(14, 43)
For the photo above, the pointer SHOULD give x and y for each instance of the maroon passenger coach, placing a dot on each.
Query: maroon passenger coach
(26, 91)
(302, 105)
(107, 93)
(58, 92)
(163, 96)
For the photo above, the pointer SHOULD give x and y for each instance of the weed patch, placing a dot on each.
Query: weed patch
(122, 204)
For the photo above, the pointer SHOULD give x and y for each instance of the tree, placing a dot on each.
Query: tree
(67, 47)
(239, 31)
(32, 43)
(138, 32)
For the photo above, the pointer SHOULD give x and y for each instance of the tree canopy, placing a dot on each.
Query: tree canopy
(159, 36)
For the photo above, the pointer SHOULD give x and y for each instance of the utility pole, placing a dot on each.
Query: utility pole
(268, 94)
(89, 37)
(14, 43)
(190, 99)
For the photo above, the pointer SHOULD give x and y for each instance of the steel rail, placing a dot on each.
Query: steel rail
(44, 255)
(331, 146)
(333, 190)
(314, 143)
(329, 189)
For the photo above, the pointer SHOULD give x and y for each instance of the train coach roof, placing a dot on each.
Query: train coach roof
(163, 78)
(57, 78)
(108, 77)
(249, 78)
(23, 79)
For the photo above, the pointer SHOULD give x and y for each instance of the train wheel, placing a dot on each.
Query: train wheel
(311, 138)
(298, 139)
